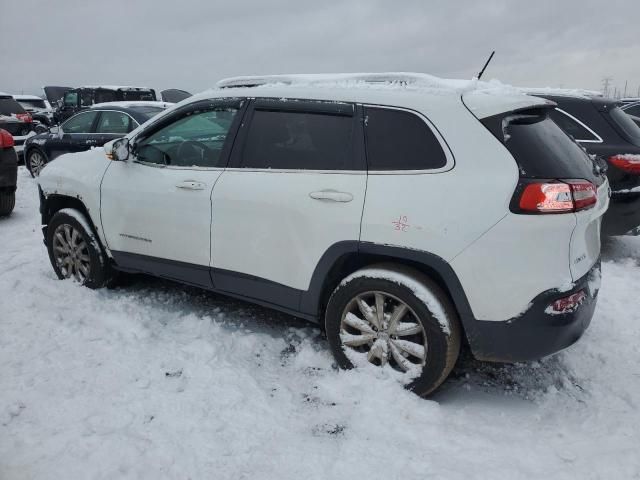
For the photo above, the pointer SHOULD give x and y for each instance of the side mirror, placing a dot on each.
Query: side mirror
(118, 149)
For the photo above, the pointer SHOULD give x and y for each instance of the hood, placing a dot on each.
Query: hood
(54, 93)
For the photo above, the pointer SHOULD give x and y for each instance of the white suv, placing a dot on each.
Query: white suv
(405, 213)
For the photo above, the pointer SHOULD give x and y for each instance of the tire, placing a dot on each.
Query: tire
(7, 202)
(429, 325)
(84, 259)
(35, 161)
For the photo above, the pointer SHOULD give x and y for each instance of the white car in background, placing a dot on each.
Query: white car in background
(396, 210)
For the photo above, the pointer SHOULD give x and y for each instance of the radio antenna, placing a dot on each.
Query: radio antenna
(485, 65)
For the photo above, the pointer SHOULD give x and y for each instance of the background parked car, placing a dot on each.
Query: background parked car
(8, 173)
(81, 98)
(603, 129)
(15, 120)
(633, 110)
(39, 108)
(91, 128)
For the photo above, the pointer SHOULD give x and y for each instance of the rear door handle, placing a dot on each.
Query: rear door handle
(332, 196)
(191, 185)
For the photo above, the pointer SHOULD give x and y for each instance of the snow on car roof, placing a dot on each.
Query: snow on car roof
(115, 87)
(483, 98)
(131, 104)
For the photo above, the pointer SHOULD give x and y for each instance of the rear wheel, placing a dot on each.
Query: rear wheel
(35, 162)
(75, 252)
(7, 202)
(394, 317)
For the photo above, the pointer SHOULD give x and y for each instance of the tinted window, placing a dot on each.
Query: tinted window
(570, 126)
(540, 147)
(81, 123)
(102, 96)
(9, 106)
(114, 122)
(86, 98)
(137, 95)
(398, 140)
(299, 140)
(626, 125)
(193, 140)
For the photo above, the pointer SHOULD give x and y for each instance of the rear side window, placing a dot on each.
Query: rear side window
(9, 106)
(540, 147)
(115, 123)
(625, 125)
(299, 140)
(572, 127)
(400, 140)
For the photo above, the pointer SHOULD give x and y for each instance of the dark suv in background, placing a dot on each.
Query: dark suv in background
(600, 126)
(15, 120)
(81, 98)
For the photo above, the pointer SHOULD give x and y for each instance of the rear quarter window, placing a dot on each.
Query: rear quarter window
(540, 147)
(8, 106)
(400, 140)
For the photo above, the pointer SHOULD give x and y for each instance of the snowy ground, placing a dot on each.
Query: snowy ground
(155, 380)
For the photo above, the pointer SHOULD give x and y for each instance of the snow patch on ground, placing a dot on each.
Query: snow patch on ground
(156, 380)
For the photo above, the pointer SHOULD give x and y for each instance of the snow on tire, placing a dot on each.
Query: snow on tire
(394, 317)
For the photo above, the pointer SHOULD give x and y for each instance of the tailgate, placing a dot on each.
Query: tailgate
(584, 250)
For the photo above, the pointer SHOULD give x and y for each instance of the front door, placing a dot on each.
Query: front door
(156, 207)
(74, 135)
(294, 188)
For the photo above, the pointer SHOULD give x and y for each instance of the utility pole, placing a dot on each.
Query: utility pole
(625, 89)
(606, 83)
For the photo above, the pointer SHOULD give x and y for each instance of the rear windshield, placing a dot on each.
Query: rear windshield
(32, 103)
(148, 112)
(626, 126)
(541, 148)
(131, 95)
(9, 106)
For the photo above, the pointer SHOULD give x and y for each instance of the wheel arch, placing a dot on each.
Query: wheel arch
(344, 258)
(53, 203)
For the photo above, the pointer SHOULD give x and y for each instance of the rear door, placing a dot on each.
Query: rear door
(112, 124)
(295, 188)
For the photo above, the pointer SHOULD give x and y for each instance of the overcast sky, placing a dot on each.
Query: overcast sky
(190, 44)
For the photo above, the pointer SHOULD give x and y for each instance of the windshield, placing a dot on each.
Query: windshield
(625, 124)
(9, 106)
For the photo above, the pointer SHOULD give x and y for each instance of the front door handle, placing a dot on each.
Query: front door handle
(191, 185)
(332, 196)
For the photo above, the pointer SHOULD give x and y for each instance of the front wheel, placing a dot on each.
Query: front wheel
(394, 317)
(74, 250)
(35, 162)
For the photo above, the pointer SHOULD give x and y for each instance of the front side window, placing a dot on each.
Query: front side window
(400, 140)
(115, 122)
(571, 127)
(194, 140)
(299, 140)
(80, 123)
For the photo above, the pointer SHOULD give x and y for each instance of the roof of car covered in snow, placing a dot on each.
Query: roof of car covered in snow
(27, 97)
(482, 98)
(113, 87)
(132, 104)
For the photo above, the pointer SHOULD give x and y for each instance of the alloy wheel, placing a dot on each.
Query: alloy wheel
(71, 253)
(36, 162)
(384, 330)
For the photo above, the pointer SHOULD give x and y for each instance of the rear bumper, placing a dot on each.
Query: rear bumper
(623, 214)
(536, 333)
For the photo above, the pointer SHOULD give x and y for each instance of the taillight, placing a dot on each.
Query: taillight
(557, 196)
(628, 163)
(6, 139)
(566, 304)
(24, 117)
